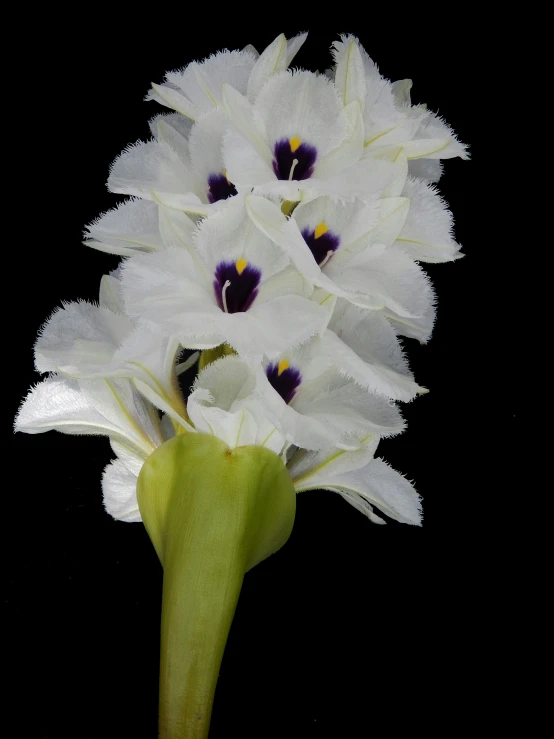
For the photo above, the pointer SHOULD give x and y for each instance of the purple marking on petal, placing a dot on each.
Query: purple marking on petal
(242, 291)
(284, 157)
(285, 383)
(219, 188)
(320, 247)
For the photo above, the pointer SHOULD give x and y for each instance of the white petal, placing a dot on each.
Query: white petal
(130, 228)
(176, 228)
(110, 407)
(119, 488)
(144, 169)
(110, 296)
(172, 98)
(379, 485)
(384, 132)
(80, 339)
(428, 170)
(294, 45)
(201, 82)
(365, 180)
(228, 380)
(388, 278)
(272, 60)
(305, 465)
(305, 105)
(235, 429)
(346, 408)
(390, 220)
(363, 357)
(244, 163)
(241, 115)
(351, 148)
(187, 364)
(250, 49)
(349, 72)
(180, 123)
(149, 358)
(285, 283)
(401, 91)
(271, 327)
(168, 289)
(359, 503)
(436, 140)
(128, 457)
(415, 328)
(397, 156)
(205, 144)
(427, 234)
(299, 429)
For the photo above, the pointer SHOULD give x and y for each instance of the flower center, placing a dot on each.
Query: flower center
(322, 242)
(236, 285)
(219, 187)
(293, 160)
(284, 379)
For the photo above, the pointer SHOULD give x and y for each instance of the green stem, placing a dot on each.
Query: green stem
(212, 514)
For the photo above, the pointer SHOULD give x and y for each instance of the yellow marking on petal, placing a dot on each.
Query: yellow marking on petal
(320, 229)
(282, 366)
(295, 143)
(241, 264)
(224, 173)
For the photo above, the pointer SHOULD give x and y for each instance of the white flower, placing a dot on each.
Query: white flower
(237, 287)
(363, 481)
(315, 406)
(298, 141)
(349, 251)
(196, 89)
(223, 403)
(81, 340)
(389, 118)
(181, 167)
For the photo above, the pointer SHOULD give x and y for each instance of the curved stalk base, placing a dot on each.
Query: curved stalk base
(212, 513)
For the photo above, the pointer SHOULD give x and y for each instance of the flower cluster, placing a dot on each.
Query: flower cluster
(276, 222)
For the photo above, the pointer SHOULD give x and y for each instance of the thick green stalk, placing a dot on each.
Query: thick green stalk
(212, 513)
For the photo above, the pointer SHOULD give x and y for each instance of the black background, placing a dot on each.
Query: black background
(352, 629)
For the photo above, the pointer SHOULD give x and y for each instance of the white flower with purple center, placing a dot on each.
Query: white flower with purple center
(297, 141)
(350, 251)
(181, 168)
(315, 406)
(236, 287)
